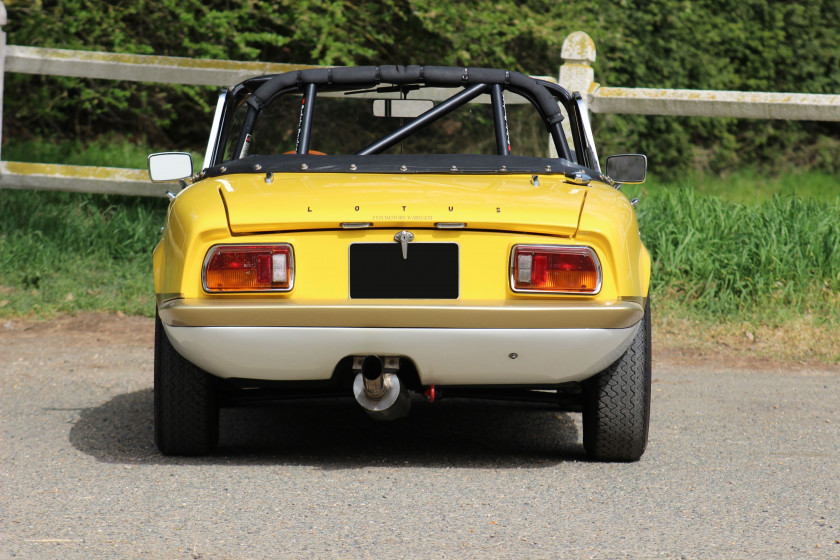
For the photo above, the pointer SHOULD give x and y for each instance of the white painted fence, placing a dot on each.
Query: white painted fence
(576, 74)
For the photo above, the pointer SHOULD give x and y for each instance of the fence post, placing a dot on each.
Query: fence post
(576, 72)
(3, 20)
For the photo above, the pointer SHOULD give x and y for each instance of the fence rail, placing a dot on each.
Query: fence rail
(698, 103)
(576, 74)
(77, 178)
(138, 67)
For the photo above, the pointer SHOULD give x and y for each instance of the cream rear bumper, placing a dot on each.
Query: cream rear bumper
(443, 356)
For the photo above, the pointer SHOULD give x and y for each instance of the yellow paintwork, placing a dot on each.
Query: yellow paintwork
(306, 210)
(323, 200)
(609, 224)
(195, 221)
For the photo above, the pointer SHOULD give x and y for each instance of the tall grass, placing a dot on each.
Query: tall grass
(775, 257)
(65, 252)
(741, 245)
(747, 186)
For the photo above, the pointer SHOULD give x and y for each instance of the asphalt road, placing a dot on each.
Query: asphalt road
(743, 462)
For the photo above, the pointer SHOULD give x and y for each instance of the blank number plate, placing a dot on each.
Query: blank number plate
(378, 270)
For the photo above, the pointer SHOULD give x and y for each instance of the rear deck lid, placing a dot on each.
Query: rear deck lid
(294, 201)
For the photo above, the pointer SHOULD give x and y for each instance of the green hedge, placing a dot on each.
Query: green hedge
(745, 45)
(753, 45)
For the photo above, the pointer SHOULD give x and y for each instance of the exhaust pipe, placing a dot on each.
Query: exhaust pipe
(373, 376)
(378, 389)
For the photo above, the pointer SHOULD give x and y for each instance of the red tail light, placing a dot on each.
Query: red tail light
(249, 268)
(555, 268)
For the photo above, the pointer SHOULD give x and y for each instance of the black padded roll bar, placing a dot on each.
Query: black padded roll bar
(364, 77)
(443, 76)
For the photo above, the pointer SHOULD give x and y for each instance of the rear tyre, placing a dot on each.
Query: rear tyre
(186, 409)
(616, 411)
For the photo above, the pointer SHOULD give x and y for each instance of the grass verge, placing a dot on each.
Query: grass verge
(725, 259)
(738, 262)
(68, 252)
(746, 263)
(783, 335)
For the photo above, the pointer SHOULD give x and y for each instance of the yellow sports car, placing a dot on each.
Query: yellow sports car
(399, 233)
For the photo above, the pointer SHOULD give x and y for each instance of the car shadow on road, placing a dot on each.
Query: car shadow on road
(336, 434)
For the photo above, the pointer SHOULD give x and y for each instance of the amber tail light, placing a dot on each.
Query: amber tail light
(555, 269)
(249, 268)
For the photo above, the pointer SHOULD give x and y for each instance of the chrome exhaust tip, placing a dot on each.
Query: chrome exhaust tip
(377, 388)
(373, 376)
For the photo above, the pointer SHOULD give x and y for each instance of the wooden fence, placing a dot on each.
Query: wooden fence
(576, 74)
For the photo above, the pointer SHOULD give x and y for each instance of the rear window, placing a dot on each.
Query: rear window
(346, 124)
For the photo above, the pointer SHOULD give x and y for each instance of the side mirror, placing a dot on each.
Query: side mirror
(170, 166)
(627, 168)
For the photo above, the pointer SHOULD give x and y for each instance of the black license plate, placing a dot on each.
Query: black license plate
(429, 271)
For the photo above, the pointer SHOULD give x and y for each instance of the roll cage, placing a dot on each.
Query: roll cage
(545, 96)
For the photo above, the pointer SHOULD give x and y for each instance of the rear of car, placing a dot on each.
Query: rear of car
(385, 275)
